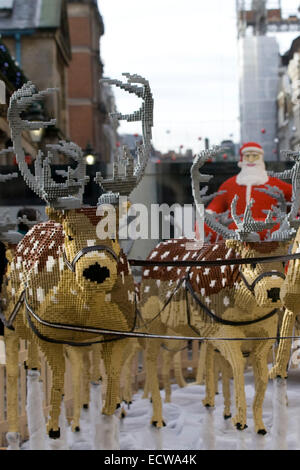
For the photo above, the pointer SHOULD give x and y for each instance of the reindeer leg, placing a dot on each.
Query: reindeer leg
(167, 357)
(55, 357)
(34, 406)
(127, 389)
(217, 372)
(283, 353)
(33, 360)
(76, 359)
(146, 385)
(260, 370)
(12, 371)
(112, 357)
(96, 375)
(201, 364)
(107, 434)
(86, 378)
(152, 352)
(226, 374)
(178, 370)
(232, 353)
(209, 400)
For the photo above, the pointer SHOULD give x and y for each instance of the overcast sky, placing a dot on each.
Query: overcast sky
(188, 52)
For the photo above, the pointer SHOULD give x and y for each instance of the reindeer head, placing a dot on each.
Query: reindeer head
(99, 269)
(260, 282)
(94, 270)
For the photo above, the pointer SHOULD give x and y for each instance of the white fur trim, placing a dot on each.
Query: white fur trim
(248, 193)
(252, 175)
(252, 149)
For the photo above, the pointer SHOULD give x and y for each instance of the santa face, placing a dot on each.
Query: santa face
(251, 158)
(253, 170)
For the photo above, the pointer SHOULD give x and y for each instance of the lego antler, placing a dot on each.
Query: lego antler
(58, 195)
(290, 222)
(197, 179)
(124, 184)
(247, 227)
(277, 194)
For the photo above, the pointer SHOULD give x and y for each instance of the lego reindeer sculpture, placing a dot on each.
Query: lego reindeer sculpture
(220, 301)
(67, 283)
(290, 292)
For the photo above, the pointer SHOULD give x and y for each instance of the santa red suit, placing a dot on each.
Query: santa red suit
(253, 175)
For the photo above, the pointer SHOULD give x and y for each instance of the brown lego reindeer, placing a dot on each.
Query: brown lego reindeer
(11, 237)
(67, 285)
(223, 302)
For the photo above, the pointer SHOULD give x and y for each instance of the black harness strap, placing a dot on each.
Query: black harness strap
(165, 305)
(221, 320)
(261, 276)
(145, 335)
(172, 350)
(9, 323)
(188, 312)
(59, 341)
(218, 262)
(88, 249)
(70, 327)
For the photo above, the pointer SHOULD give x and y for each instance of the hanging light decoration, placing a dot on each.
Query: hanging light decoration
(89, 155)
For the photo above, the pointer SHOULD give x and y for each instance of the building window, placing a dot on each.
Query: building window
(6, 7)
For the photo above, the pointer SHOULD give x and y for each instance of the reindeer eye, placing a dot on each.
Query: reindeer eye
(70, 238)
(253, 266)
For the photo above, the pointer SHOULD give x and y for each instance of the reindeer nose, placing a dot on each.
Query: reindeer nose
(96, 273)
(274, 294)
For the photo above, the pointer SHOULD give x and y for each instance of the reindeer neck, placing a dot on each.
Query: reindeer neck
(245, 301)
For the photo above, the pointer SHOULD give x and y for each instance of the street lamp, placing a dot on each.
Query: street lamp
(36, 135)
(89, 155)
(36, 113)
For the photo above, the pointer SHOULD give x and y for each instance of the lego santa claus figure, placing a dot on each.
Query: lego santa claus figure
(253, 175)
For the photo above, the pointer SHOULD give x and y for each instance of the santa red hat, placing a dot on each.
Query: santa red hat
(250, 146)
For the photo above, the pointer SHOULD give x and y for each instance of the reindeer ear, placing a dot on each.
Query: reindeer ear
(233, 244)
(55, 215)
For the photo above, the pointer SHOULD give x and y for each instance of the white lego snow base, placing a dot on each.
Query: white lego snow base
(191, 426)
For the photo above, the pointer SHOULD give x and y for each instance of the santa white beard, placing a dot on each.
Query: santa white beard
(252, 175)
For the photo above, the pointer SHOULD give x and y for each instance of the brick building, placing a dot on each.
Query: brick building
(87, 111)
(36, 33)
(288, 104)
(11, 78)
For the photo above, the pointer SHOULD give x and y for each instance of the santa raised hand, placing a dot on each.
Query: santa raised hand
(253, 175)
